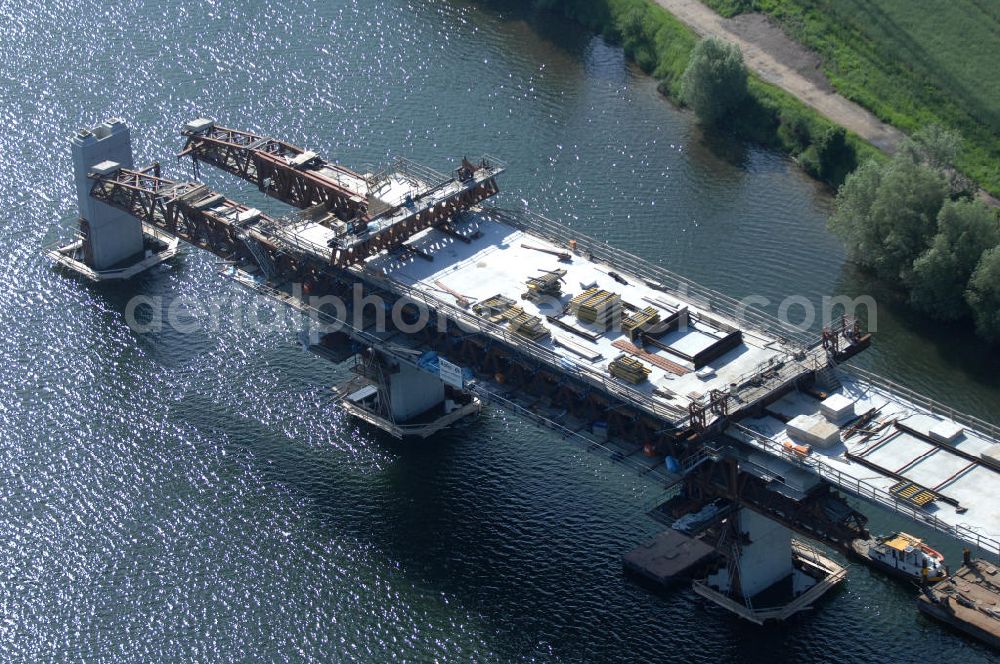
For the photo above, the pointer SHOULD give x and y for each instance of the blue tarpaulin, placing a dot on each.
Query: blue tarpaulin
(429, 362)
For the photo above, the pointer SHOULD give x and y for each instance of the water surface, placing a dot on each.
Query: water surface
(194, 496)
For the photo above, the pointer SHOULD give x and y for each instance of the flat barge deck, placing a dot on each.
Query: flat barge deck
(968, 600)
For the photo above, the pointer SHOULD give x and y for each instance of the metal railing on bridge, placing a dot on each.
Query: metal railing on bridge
(486, 395)
(982, 427)
(868, 491)
(474, 324)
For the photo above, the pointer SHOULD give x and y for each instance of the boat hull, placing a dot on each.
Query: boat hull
(860, 549)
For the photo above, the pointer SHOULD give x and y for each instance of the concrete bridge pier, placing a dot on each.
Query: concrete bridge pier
(112, 244)
(111, 235)
(412, 392)
(766, 574)
(763, 556)
(405, 400)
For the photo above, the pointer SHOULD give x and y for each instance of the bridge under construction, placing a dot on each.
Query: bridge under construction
(465, 303)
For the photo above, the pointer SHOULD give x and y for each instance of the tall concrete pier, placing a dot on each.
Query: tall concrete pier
(110, 234)
(112, 244)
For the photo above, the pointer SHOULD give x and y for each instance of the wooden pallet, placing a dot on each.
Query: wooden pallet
(639, 321)
(597, 306)
(628, 368)
(493, 308)
(655, 360)
(525, 324)
(546, 284)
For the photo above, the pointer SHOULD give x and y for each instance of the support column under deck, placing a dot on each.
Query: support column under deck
(112, 243)
(110, 235)
(767, 575)
(404, 400)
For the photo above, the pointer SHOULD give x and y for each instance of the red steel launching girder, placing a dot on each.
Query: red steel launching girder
(303, 179)
(186, 210)
(271, 165)
(401, 223)
(199, 216)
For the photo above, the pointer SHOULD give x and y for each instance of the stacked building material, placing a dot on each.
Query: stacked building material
(493, 308)
(628, 368)
(548, 284)
(597, 306)
(639, 321)
(655, 360)
(525, 324)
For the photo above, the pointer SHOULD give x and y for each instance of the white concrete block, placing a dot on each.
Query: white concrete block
(946, 431)
(991, 455)
(248, 215)
(814, 430)
(106, 167)
(837, 407)
(199, 125)
(302, 159)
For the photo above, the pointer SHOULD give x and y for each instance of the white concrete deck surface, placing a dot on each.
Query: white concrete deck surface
(496, 263)
(974, 486)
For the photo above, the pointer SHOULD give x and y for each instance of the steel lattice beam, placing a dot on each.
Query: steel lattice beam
(303, 179)
(187, 210)
(409, 225)
(271, 165)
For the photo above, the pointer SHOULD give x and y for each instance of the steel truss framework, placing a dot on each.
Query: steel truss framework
(199, 216)
(180, 208)
(821, 514)
(266, 162)
(396, 233)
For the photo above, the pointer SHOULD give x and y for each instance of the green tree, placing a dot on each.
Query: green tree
(636, 37)
(933, 145)
(835, 155)
(715, 80)
(940, 275)
(887, 214)
(851, 218)
(939, 148)
(983, 295)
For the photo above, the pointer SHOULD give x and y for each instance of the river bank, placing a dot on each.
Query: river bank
(787, 64)
(792, 115)
(660, 43)
(912, 63)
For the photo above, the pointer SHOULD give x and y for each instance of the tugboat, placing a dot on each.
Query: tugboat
(902, 555)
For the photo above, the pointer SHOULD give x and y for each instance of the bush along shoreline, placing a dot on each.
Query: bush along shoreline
(913, 63)
(754, 111)
(913, 222)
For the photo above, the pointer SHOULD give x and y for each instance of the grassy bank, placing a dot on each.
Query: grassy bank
(661, 45)
(911, 62)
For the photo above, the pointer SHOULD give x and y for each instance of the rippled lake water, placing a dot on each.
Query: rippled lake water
(175, 496)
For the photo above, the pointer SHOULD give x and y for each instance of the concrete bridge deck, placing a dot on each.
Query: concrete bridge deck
(433, 242)
(901, 444)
